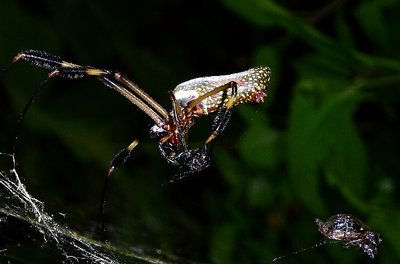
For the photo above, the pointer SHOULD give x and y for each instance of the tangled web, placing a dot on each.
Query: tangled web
(16, 204)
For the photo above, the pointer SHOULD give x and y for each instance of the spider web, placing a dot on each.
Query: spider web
(17, 204)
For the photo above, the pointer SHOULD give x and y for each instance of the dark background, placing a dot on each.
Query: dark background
(325, 141)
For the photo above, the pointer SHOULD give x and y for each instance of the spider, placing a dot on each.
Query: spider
(194, 98)
(351, 231)
(347, 229)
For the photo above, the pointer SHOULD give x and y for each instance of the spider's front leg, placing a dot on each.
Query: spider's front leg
(112, 79)
(56, 65)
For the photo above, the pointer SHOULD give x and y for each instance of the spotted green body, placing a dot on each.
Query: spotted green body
(251, 87)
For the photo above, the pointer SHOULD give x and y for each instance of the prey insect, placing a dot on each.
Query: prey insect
(191, 99)
(351, 232)
(348, 230)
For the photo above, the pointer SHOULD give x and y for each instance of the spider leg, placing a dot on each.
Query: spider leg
(354, 242)
(225, 111)
(112, 79)
(144, 96)
(216, 90)
(178, 115)
(220, 123)
(122, 156)
(115, 163)
(223, 116)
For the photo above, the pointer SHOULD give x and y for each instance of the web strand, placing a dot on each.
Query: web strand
(32, 99)
(319, 244)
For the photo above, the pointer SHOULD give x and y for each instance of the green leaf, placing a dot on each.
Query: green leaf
(223, 243)
(268, 55)
(258, 146)
(260, 193)
(386, 223)
(322, 135)
(231, 170)
(344, 32)
(250, 11)
(269, 14)
(303, 153)
(345, 160)
(372, 20)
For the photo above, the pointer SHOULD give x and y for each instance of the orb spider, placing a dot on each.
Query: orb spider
(190, 99)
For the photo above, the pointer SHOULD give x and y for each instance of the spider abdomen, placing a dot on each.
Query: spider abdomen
(251, 87)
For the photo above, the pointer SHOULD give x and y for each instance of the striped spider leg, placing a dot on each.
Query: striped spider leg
(194, 98)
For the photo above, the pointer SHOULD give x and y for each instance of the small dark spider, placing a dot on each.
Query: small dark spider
(347, 229)
(194, 98)
(351, 231)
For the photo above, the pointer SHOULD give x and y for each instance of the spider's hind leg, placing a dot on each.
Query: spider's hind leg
(224, 114)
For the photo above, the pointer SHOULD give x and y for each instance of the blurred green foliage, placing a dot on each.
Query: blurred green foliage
(325, 141)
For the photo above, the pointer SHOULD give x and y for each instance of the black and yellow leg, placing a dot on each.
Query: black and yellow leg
(122, 156)
(224, 114)
(112, 79)
(56, 65)
(231, 85)
(220, 122)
